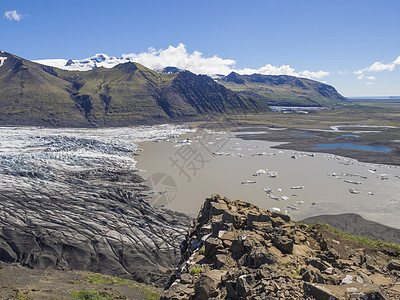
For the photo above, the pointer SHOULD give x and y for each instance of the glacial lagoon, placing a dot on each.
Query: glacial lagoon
(208, 163)
(352, 146)
(185, 166)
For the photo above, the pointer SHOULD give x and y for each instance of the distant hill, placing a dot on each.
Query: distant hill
(283, 90)
(127, 94)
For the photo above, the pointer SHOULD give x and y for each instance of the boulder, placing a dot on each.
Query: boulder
(205, 287)
(259, 256)
(394, 264)
(283, 217)
(211, 246)
(219, 260)
(254, 217)
(243, 288)
(283, 243)
(351, 291)
(217, 208)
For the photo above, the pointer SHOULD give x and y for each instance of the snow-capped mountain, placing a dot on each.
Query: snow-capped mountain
(96, 61)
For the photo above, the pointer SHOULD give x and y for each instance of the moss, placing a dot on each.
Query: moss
(148, 291)
(195, 270)
(89, 295)
(20, 296)
(150, 295)
(102, 279)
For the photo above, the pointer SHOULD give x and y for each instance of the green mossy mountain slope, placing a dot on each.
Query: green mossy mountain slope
(30, 94)
(283, 90)
(128, 94)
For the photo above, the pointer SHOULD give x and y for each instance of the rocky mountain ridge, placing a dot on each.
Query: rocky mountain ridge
(235, 250)
(284, 90)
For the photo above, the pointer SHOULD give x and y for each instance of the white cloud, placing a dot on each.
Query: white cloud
(378, 67)
(269, 69)
(197, 63)
(342, 73)
(360, 77)
(369, 83)
(179, 57)
(318, 75)
(12, 15)
(282, 70)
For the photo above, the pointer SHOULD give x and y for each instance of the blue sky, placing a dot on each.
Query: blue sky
(324, 40)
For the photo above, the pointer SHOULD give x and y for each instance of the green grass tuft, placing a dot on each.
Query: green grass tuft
(89, 295)
(149, 292)
(195, 270)
(22, 297)
(102, 279)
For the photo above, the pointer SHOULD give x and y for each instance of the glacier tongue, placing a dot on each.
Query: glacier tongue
(71, 199)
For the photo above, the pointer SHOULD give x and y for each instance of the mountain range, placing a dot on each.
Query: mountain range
(129, 93)
(284, 90)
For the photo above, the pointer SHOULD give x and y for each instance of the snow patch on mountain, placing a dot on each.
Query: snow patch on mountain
(96, 61)
(2, 59)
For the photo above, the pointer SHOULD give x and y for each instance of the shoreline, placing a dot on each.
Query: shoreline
(305, 140)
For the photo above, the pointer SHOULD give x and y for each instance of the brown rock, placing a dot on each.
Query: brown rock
(229, 217)
(211, 246)
(218, 208)
(283, 243)
(237, 249)
(259, 256)
(206, 286)
(380, 279)
(186, 278)
(243, 287)
(219, 260)
(348, 291)
(283, 217)
(254, 217)
(394, 264)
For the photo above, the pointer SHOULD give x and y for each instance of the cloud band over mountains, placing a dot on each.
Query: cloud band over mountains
(179, 57)
(197, 63)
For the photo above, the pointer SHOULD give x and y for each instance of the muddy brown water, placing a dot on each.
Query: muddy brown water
(184, 174)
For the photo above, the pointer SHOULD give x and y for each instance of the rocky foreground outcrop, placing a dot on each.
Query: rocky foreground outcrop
(235, 250)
